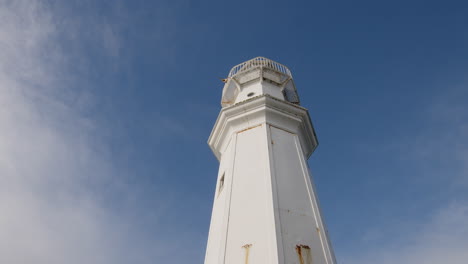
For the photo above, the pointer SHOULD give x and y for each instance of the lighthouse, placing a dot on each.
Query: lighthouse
(265, 208)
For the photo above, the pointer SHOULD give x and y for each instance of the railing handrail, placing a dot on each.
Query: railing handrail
(259, 62)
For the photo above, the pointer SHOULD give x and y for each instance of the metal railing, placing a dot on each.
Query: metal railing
(259, 62)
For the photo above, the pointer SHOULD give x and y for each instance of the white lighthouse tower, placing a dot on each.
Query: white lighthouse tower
(265, 207)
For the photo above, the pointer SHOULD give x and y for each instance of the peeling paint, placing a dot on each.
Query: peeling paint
(304, 254)
(247, 251)
(249, 128)
(224, 102)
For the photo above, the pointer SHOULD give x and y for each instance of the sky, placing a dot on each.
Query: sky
(106, 107)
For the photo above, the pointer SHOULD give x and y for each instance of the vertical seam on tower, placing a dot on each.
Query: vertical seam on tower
(230, 196)
(331, 254)
(279, 236)
(309, 192)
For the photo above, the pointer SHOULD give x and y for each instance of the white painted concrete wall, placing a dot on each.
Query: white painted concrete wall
(267, 206)
(299, 220)
(217, 237)
(259, 88)
(250, 214)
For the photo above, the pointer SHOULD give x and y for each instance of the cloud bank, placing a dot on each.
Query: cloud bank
(438, 151)
(55, 170)
(443, 239)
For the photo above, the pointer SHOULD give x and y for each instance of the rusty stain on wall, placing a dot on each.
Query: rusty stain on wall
(247, 251)
(248, 128)
(304, 254)
(227, 102)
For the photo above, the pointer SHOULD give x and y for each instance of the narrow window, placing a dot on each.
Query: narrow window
(221, 184)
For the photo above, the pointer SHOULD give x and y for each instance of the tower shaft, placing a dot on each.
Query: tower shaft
(265, 207)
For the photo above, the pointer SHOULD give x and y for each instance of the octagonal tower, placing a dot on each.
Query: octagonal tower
(265, 206)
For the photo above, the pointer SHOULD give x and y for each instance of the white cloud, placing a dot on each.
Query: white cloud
(439, 152)
(444, 239)
(52, 160)
(450, 112)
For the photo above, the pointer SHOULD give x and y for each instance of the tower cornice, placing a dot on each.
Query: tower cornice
(261, 110)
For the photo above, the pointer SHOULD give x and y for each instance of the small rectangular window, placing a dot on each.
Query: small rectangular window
(221, 184)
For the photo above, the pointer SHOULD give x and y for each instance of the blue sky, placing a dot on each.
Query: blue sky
(106, 107)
